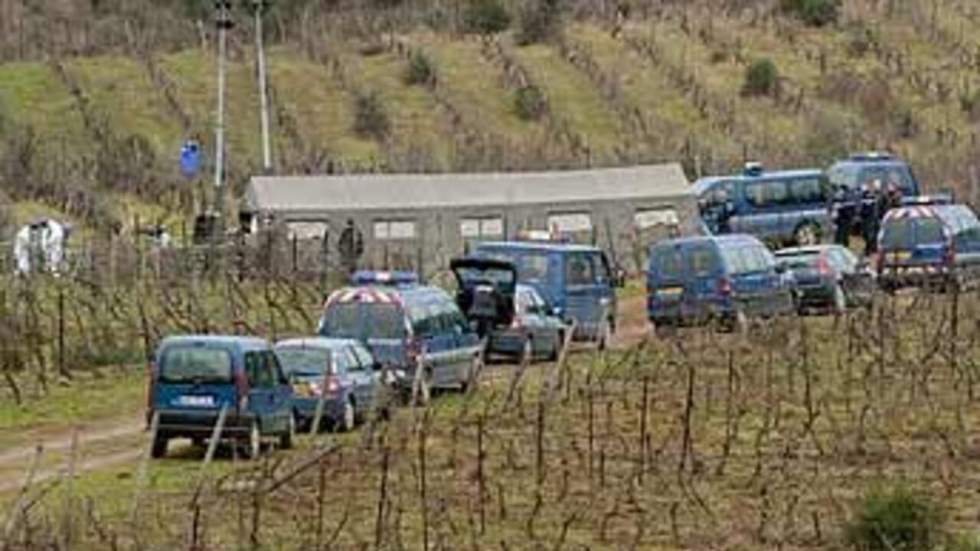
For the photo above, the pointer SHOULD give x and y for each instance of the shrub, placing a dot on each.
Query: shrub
(530, 103)
(541, 21)
(970, 103)
(895, 519)
(761, 78)
(371, 117)
(817, 13)
(421, 70)
(486, 17)
(861, 39)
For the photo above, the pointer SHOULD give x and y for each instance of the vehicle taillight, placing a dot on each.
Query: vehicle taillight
(516, 323)
(413, 350)
(333, 385)
(725, 286)
(823, 266)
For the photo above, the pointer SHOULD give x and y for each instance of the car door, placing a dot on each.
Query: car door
(586, 301)
(369, 376)
(764, 199)
(356, 378)
(282, 391)
(262, 390)
(544, 327)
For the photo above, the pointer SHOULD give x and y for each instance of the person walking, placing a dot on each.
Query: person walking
(871, 207)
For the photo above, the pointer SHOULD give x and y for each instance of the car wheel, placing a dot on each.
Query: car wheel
(286, 439)
(254, 444)
(806, 234)
(159, 448)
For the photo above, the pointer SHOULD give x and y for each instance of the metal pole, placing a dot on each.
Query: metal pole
(263, 86)
(223, 23)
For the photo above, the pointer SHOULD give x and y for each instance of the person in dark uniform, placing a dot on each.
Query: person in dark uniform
(351, 245)
(842, 210)
(871, 206)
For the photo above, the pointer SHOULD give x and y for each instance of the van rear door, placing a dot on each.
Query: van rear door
(589, 298)
(486, 289)
(195, 377)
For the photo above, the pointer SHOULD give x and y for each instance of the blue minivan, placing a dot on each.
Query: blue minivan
(194, 377)
(404, 324)
(929, 246)
(783, 207)
(578, 282)
(859, 170)
(728, 278)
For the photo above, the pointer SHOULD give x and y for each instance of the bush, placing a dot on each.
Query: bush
(421, 70)
(371, 117)
(817, 13)
(761, 78)
(896, 519)
(861, 39)
(541, 21)
(486, 17)
(530, 103)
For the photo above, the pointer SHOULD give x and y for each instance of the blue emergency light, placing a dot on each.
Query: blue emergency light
(394, 279)
(752, 169)
(870, 156)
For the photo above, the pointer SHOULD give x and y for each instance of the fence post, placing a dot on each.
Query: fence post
(61, 333)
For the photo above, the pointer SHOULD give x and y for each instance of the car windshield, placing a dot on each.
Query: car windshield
(928, 230)
(897, 234)
(195, 364)
(363, 321)
(530, 265)
(300, 360)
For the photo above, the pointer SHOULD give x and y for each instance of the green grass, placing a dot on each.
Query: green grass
(32, 93)
(573, 98)
(113, 395)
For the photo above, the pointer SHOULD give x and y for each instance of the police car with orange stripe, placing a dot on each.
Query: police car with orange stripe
(405, 325)
(929, 245)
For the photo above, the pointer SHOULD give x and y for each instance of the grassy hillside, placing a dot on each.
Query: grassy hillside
(664, 83)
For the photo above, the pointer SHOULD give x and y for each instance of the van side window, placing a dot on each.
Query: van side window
(766, 194)
(579, 270)
(703, 261)
(601, 268)
(260, 373)
(808, 190)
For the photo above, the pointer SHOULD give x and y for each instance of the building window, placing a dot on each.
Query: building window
(306, 230)
(475, 228)
(570, 222)
(394, 229)
(649, 218)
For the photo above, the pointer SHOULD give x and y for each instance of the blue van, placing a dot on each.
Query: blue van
(578, 282)
(929, 245)
(729, 278)
(404, 323)
(783, 207)
(194, 377)
(859, 170)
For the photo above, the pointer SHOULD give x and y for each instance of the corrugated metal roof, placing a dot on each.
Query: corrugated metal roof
(433, 191)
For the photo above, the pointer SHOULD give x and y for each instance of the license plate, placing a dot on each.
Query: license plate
(670, 291)
(901, 256)
(196, 401)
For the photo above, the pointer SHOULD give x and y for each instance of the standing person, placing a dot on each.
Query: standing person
(724, 210)
(871, 205)
(842, 211)
(351, 246)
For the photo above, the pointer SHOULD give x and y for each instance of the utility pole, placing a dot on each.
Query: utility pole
(223, 23)
(259, 7)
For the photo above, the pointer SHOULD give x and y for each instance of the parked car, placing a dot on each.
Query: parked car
(930, 246)
(860, 169)
(194, 377)
(784, 207)
(514, 317)
(729, 278)
(405, 324)
(827, 278)
(578, 281)
(338, 376)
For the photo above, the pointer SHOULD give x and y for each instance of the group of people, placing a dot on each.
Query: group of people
(861, 211)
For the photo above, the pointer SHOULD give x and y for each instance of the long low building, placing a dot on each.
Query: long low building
(422, 220)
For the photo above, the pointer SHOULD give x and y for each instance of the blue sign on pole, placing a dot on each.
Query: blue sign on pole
(190, 159)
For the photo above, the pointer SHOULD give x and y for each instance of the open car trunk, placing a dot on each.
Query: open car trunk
(486, 291)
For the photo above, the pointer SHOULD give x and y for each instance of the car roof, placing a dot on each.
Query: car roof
(733, 239)
(537, 246)
(811, 249)
(848, 164)
(706, 182)
(394, 294)
(234, 341)
(324, 343)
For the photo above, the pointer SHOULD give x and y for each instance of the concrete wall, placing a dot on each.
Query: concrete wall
(437, 234)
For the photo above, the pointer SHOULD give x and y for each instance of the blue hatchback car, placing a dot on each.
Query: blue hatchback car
(194, 377)
(787, 206)
(337, 376)
(727, 278)
(578, 282)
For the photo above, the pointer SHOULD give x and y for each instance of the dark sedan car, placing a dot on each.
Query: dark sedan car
(827, 278)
